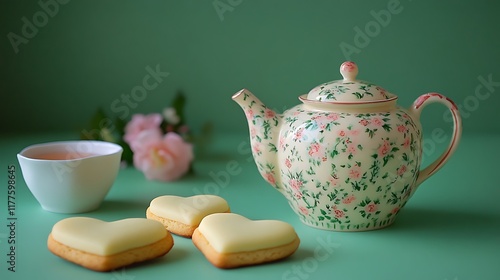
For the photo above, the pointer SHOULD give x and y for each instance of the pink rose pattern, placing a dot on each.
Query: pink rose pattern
(373, 160)
(263, 124)
(332, 203)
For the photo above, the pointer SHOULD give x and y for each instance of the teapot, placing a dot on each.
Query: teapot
(348, 158)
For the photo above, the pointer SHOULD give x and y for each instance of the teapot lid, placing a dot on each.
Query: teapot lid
(349, 90)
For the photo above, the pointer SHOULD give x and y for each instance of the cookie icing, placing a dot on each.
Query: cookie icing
(233, 233)
(187, 210)
(107, 238)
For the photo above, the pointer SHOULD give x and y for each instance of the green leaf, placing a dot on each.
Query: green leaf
(97, 122)
(272, 148)
(334, 153)
(311, 125)
(358, 95)
(387, 127)
(127, 154)
(405, 157)
(178, 104)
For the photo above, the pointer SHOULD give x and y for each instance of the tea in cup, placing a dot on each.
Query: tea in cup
(70, 176)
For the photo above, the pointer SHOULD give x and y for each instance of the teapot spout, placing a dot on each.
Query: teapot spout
(264, 125)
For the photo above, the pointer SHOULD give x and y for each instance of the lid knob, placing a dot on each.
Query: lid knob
(349, 71)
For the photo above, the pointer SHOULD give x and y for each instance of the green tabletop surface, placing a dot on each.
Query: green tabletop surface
(449, 230)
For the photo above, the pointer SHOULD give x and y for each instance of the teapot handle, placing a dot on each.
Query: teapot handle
(416, 109)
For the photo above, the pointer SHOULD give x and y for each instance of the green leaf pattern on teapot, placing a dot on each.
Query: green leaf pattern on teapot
(349, 157)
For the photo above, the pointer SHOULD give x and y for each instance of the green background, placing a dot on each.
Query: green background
(91, 53)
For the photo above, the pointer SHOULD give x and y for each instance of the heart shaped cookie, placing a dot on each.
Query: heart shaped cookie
(182, 215)
(230, 240)
(104, 246)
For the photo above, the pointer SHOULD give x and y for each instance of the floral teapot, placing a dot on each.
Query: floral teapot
(348, 158)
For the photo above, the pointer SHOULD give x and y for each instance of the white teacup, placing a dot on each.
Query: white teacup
(70, 176)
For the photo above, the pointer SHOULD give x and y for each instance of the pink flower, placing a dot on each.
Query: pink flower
(249, 114)
(288, 163)
(303, 210)
(401, 170)
(354, 132)
(406, 143)
(140, 123)
(282, 143)
(401, 128)
(338, 213)
(348, 199)
(342, 133)
(334, 180)
(384, 149)
(253, 131)
(270, 178)
(314, 149)
(371, 207)
(295, 184)
(364, 122)
(355, 172)
(256, 149)
(351, 148)
(348, 66)
(377, 121)
(332, 116)
(298, 134)
(270, 114)
(164, 158)
(395, 210)
(298, 195)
